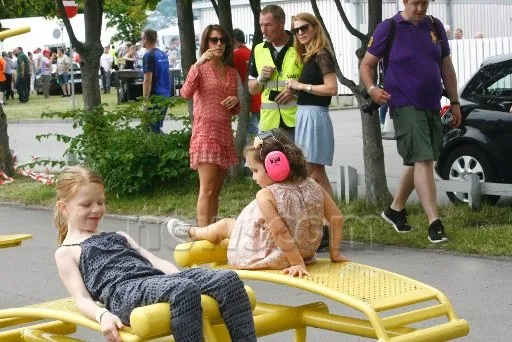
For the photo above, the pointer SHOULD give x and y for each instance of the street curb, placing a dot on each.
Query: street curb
(70, 121)
(151, 219)
(37, 121)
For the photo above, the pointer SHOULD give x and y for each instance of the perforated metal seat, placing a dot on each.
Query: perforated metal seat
(370, 290)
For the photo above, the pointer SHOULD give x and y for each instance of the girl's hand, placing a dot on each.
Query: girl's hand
(296, 270)
(230, 102)
(109, 325)
(205, 57)
(339, 258)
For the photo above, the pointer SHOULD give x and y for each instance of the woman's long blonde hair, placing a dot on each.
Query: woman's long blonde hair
(318, 43)
(66, 187)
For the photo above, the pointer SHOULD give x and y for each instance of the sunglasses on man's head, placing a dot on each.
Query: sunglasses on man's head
(301, 29)
(216, 40)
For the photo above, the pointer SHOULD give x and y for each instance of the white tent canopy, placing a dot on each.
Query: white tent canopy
(49, 33)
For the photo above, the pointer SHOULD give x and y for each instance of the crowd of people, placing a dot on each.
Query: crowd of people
(18, 71)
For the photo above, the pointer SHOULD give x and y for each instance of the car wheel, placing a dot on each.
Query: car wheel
(466, 160)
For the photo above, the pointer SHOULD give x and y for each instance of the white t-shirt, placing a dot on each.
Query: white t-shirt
(37, 60)
(106, 61)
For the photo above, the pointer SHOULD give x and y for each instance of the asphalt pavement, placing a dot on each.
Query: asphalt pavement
(347, 133)
(479, 288)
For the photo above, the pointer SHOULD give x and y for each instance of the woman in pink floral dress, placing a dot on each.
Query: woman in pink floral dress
(213, 86)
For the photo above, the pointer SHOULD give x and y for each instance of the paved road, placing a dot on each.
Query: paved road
(346, 124)
(479, 288)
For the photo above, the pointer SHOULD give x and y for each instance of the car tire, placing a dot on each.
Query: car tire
(466, 160)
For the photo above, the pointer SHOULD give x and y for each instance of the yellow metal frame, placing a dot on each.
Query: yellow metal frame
(14, 32)
(371, 291)
(148, 323)
(14, 240)
(390, 303)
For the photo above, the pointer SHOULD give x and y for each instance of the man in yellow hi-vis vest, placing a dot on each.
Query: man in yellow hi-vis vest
(272, 63)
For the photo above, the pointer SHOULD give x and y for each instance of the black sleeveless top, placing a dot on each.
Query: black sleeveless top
(313, 73)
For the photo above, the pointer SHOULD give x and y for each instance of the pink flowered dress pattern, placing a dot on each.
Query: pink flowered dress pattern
(212, 137)
(251, 245)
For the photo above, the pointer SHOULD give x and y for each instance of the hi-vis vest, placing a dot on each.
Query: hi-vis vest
(291, 69)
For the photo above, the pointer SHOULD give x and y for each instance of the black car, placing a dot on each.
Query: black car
(55, 88)
(483, 142)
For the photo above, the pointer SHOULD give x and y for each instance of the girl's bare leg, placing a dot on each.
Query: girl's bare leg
(215, 232)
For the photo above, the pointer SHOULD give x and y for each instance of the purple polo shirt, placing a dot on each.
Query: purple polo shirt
(413, 75)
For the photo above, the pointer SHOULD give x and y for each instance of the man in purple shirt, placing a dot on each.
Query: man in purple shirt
(418, 66)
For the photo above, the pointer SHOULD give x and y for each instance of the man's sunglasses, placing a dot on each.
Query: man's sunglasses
(301, 29)
(216, 40)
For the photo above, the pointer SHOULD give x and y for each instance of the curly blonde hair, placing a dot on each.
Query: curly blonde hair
(318, 43)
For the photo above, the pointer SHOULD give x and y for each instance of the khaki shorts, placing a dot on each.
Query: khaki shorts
(418, 134)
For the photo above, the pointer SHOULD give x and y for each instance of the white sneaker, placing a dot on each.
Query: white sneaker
(179, 230)
(381, 126)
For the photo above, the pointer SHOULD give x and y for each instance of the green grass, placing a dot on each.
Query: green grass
(38, 105)
(484, 232)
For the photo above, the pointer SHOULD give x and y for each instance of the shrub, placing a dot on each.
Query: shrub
(119, 146)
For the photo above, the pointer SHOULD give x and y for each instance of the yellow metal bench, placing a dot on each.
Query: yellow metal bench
(390, 302)
(14, 240)
(61, 318)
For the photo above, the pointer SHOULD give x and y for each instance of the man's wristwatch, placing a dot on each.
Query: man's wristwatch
(309, 88)
(453, 103)
(260, 80)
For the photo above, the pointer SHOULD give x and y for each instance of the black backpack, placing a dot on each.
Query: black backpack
(391, 37)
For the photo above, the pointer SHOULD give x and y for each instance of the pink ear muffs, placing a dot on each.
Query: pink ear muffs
(277, 166)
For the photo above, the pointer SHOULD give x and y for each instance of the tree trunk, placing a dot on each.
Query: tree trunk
(243, 117)
(225, 16)
(6, 164)
(225, 20)
(90, 51)
(258, 35)
(188, 40)
(377, 192)
(93, 15)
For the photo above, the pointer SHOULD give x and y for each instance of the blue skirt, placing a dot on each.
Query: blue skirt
(314, 134)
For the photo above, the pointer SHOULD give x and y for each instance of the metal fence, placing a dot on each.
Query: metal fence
(468, 54)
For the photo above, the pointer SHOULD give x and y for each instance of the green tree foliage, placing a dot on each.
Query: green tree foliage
(20, 9)
(163, 16)
(128, 17)
(129, 159)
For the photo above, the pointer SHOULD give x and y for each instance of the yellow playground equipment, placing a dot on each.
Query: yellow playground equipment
(13, 240)
(14, 32)
(394, 307)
